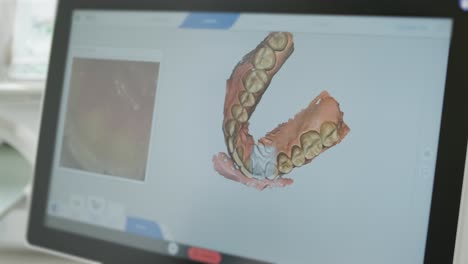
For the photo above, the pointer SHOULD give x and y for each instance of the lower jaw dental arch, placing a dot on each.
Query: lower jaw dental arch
(290, 145)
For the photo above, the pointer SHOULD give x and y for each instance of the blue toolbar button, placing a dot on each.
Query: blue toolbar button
(143, 227)
(210, 20)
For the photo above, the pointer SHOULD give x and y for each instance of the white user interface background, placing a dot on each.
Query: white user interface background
(366, 200)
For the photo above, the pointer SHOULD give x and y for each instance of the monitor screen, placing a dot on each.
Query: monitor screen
(227, 137)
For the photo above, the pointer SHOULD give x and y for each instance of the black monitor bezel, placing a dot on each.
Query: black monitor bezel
(452, 142)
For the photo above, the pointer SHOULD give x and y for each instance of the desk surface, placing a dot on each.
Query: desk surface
(15, 173)
(14, 256)
(12, 243)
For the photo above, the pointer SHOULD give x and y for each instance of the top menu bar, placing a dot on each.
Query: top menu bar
(319, 24)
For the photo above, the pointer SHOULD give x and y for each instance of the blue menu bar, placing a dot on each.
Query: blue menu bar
(143, 227)
(210, 20)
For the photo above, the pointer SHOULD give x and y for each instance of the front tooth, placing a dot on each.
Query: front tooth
(311, 143)
(284, 163)
(329, 134)
(231, 127)
(231, 144)
(271, 171)
(278, 41)
(265, 58)
(247, 164)
(246, 172)
(255, 81)
(239, 113)
(246, 99)
(237, 158)
(240, 151)
(236, 155)
(297, 156)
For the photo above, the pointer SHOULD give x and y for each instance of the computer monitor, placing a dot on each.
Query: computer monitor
(259, 132)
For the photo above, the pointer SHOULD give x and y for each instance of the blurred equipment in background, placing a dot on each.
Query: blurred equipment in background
(25, 40)
(32, 39)
(20, 116)
(15, 179)
(7, 8)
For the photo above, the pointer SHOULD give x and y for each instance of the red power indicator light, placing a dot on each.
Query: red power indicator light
(204, 255)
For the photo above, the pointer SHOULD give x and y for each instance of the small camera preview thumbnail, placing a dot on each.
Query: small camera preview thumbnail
(109, 117)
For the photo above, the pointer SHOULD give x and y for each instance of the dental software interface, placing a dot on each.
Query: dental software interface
(221, 137)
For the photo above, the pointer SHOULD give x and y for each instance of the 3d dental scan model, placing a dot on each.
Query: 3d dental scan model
(292, 144)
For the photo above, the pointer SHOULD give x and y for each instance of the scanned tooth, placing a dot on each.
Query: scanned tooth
(329, 134)
(231, 127)
(285, 165)
(273, 176)
(255, 81)
(237, 158)
(239, 113)
(244, 116)
(247, 164)
(240, 151)
(271, 171)
(231, 144)
(264, 58)
(278, 41)
(246, 99)
(311, 143)
(246, 172)
(297, 156)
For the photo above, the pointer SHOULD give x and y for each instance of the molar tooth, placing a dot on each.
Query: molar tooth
(246, 99)
(239, 113)
(264, 58)
(285, 165)
(297, 156)
(329, 134)
(311, 143)
(231, 127)
(278, 41)
(255, 81)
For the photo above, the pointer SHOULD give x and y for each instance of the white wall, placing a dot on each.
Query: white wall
(7, 8)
